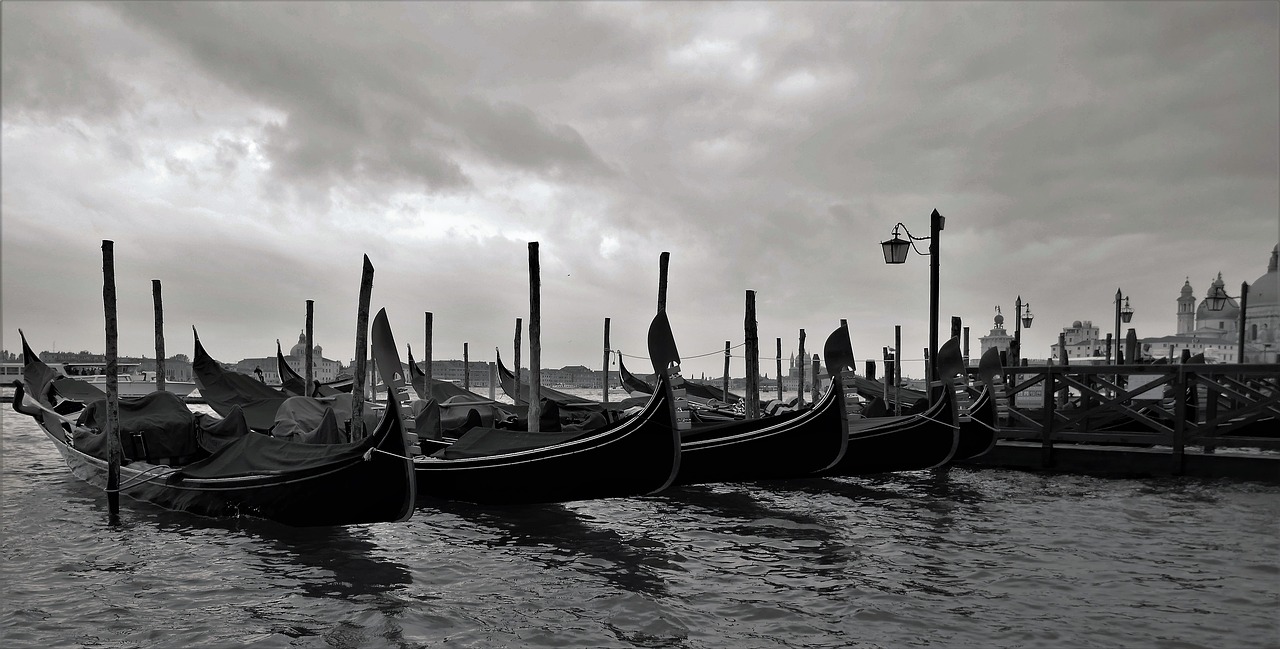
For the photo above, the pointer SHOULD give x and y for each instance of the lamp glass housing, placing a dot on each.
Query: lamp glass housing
(895, 250)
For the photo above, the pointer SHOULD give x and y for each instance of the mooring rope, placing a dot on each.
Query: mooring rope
(142, 479)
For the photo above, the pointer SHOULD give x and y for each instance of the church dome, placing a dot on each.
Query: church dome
(1077, 324)
(1262, 292)
(999, 321)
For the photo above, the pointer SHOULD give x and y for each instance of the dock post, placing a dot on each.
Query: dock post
(516, 370)
(753, 357)
(779, 369)
(362, 351)
(493, 381)
(159, 308)
(426, 360)
(466, 367)
(309, 333)
(817, 368)
(800, 380)
(725, 378)
(535, 340)
(1046, 424)
(605, 365)
(1184, 388)
(114, 452)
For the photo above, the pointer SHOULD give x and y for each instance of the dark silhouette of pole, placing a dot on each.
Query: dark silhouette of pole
(426, 361)
(309, 335)
(535, 339)
(802, 368)
(362, 351)
(114, 452)
(1244, 301)
(753, 357)
(605, 364)
(158, 302)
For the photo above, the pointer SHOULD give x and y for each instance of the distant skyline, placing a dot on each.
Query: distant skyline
(248, 154)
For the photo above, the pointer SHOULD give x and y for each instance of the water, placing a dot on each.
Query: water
(965, 558)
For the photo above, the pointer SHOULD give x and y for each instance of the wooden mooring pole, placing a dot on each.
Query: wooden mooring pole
(802, 368)
(605, 364)
(753, 357)
(725, 380)
(779, 369)
(535, 340)
(362, 350)
(466, 367)
(426, 360)
(309, 333)
(158, 303)
(114, 451)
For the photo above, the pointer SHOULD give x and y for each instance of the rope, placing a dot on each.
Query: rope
(141, 479)
(715, 353)
(984, 424)
(395, 455)
(952, 426)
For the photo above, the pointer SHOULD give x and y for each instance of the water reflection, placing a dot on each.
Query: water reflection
(564, 538)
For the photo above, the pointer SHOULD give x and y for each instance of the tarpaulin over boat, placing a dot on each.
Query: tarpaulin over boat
(312, 421)
(262, 455)
(213, 433)
(153, 427)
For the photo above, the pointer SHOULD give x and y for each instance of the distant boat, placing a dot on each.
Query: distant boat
(131, 379)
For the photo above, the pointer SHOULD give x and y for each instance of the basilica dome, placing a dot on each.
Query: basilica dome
(1262, 292)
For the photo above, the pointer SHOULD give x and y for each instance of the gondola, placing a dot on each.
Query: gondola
(908, 442)
(454, 407)
(635, 456)
(561, 409)
(708, 405)
(182, 461)
(789, 445)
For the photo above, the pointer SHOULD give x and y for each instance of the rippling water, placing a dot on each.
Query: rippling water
(965, 558)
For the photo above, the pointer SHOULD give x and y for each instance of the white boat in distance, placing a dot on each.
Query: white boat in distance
(131, 380)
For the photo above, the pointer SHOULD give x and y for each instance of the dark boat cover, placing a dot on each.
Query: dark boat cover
(153, 427)
(265, 455)
(308, 420)
(213, 432)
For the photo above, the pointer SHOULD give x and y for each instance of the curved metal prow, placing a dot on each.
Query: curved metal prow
(662, 344)
(989, 366)
(837, 351)
(950, 363)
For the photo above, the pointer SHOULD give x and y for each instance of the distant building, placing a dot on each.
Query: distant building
(998, 339)
(323, 369)
(1200, 330)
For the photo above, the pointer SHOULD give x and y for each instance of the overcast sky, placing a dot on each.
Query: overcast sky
(248, 154)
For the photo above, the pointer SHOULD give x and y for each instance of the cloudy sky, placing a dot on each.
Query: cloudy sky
(248, 154)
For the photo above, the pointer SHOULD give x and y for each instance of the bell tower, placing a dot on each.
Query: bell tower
(1186, 309)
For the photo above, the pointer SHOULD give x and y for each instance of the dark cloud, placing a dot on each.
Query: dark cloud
(767, 146)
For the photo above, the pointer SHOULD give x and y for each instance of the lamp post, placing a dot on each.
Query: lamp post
(1217, 299)
(895, 252)
(1123, 313)
(1021, 319)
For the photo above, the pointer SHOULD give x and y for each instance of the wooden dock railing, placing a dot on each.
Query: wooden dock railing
(1174, 406)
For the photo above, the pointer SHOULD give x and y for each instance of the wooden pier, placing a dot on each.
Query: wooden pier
(1205, 420)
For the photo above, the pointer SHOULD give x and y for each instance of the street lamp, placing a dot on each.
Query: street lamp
(1217, 300)
(1123, 313)
(1022, 319)
(895, 252)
